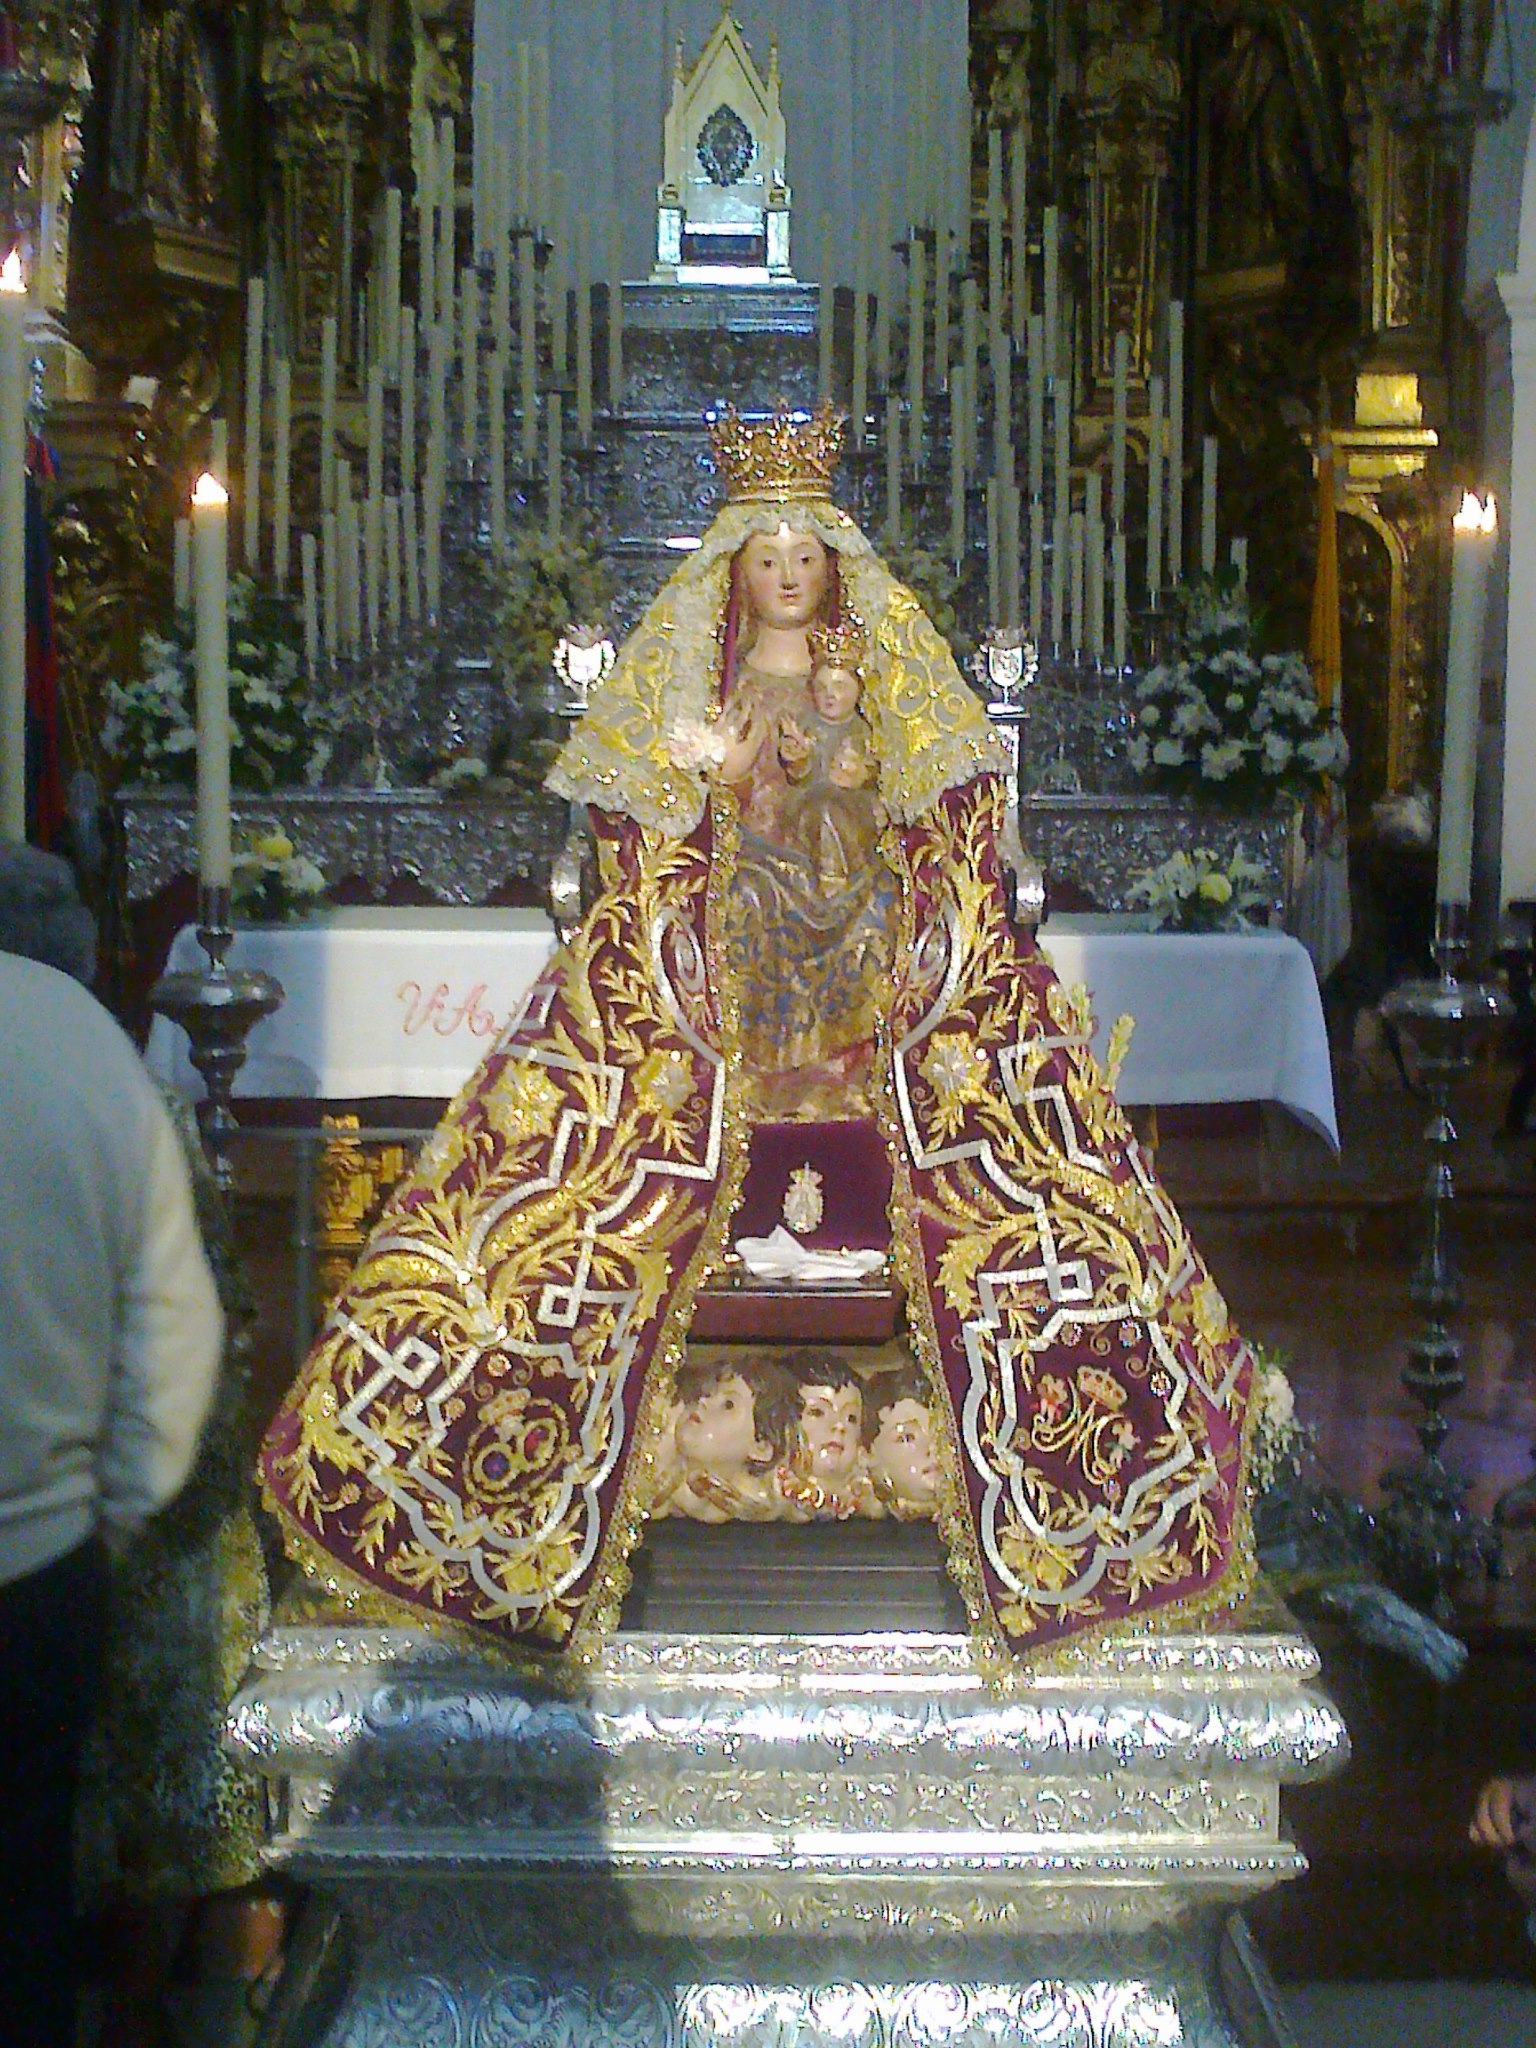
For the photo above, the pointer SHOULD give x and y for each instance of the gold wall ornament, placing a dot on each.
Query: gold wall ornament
(320, 79)
(354, 1178)
(1128, 107)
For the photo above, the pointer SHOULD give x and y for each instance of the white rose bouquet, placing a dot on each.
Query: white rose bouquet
(281, 735)
(1225, 725)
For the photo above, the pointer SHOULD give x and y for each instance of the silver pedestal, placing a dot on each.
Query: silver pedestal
(765, 1841)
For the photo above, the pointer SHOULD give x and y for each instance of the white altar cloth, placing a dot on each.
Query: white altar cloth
(406, 1002)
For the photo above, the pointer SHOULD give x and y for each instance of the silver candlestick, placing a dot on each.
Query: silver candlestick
(1426, 1535)
(218, 1007)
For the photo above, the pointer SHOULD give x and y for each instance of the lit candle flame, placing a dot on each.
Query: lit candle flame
(1477, 515)
(209, 491)
(11, 278)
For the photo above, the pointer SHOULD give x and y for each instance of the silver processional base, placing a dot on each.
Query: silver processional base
(752, 1842)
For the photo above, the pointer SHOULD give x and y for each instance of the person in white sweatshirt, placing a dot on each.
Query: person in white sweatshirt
(110, 1339)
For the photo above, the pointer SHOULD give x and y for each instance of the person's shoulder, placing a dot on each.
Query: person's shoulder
(39, 1000)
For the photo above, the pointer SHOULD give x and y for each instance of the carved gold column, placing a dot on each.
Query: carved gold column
(320, 77)
(55, 45)
(1128, 107)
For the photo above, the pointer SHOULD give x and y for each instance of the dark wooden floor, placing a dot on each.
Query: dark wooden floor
(1313, 1253)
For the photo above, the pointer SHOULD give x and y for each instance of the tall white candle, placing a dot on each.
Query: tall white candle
(1121, 625)
(432, 547)
(942, 259)
(584, 329)
(218, 448)
(13, 551)
(542, 183)
(1077, 556)
(1008, 534)
(1062, 450)
(407, 397)
(994, 554)
(1156, 434)
(527, 353)
(376, 430)
(1240, 559)
(501, 295)
(917, 296)
(1209, 461)
(1051, 295)
(426, 216)
(1473, 536)
(469, 364)
(893, 464)
(181, 564)
(1119, 420)
(250, 446)
(554, 469)
(1018, 169)
(1036, 570)
(282, 468)
(1093, 567)
(882, 290)
(1034, 343)
(995, 283)
(859, 408)
(1001, 351)
(957, 473)
(330, 585)
(554, 286)
(1061, 576)
(410, 550)
(523, 195)
(448, 209)
(392, 565)
(826, 314)
(1175, 503)
(389, 310)
(497, 404)
(309, 581)
(210, 586)
(970, 353)
(328, 344)
(615, 319)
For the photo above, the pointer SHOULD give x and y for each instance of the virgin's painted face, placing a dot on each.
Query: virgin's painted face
(785, 576)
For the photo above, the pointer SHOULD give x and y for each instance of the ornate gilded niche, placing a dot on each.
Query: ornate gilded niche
(722, 203)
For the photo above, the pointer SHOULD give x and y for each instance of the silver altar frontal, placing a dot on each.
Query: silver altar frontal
(772, 1840)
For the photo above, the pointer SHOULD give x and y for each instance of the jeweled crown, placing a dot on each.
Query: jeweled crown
(841, 646)
(775, 460)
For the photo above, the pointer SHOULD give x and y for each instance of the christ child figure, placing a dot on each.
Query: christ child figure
(731, 1426)
(833, 817)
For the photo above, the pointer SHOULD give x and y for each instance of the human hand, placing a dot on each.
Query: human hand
(1496, 1816)
(794, 743)
(743, 731)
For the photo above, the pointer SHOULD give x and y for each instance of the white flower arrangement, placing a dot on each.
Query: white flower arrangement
(281, 736)
(1196, 891)
(271, 882)
(1225, 725)
(691, 743)
(1280, 1438)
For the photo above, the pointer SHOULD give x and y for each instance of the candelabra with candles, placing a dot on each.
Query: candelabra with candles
(1426, 1535)
(217, 1006)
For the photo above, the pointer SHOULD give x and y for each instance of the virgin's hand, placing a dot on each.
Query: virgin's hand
(743, 742)
(794, 743)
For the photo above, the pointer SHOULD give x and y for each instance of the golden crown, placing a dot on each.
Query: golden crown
(841, 646)
(775, 460)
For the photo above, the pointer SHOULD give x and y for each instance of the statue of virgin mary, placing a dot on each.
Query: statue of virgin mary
(802, 921)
